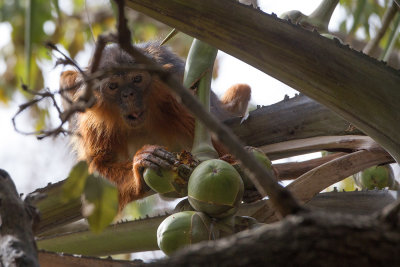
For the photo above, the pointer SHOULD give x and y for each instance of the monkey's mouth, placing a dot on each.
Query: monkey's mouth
(134, 119)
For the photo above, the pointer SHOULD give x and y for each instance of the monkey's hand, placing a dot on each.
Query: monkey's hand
(154, 157)
(157, 158)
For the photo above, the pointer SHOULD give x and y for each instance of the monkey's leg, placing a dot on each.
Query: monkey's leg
(236, 99)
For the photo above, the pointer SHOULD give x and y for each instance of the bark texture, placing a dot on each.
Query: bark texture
(311, 239)
(17, 245)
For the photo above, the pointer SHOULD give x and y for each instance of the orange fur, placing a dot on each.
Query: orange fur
(236, 98)
(67, 81)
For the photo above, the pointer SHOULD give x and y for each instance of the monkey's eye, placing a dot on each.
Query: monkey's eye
(113, 86)
(137, 79)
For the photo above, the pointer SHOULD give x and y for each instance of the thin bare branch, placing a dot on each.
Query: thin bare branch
(66, 59)
(373, 45)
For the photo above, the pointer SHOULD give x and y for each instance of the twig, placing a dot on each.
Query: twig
(41, 96)
(372, 46)
(282, 199)
(66, 59)
(102, 40)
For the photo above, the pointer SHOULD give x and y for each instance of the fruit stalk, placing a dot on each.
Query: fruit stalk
(198, 74)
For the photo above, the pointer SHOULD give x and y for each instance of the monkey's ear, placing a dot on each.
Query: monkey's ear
(67, 83)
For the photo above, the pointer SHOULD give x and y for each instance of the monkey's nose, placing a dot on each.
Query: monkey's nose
(127, 94)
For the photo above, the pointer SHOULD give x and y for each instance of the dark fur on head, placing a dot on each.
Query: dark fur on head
(114, 56)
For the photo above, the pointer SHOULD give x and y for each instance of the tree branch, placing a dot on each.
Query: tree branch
(372, 46)
(292, 170)
(312, 239)
(17, 244)
(311, 183)
(298, 117)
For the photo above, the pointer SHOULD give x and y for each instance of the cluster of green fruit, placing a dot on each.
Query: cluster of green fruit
(215, 190)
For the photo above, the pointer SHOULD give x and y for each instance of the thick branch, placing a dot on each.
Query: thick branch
(51, 259)
(126, 237)
(17, 245)
(314, 239)
(295, 118)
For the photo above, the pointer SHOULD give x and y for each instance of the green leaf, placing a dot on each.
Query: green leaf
(100, 202)
(74, 185)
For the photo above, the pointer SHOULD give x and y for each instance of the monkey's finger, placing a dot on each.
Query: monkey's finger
(158, 161)
(142, 164)
(158, 151)
(166, 155)
(148, 164)
(149, 149)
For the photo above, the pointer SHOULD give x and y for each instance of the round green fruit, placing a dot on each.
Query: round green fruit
(215, 188)
(182, 229)
(165, 182)
(261, 158)
(159, 182)
(375, 177)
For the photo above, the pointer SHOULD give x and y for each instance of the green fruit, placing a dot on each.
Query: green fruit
(375, 177)
(260, 157)
(161, 183)
(167, 182)
(183, 229)
(215, 188)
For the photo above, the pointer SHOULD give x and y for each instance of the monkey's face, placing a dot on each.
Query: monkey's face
(128, 93)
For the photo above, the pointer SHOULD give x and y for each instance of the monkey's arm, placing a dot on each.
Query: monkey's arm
(128, 175)
(121, 173)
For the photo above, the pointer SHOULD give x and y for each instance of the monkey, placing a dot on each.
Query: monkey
(135, 117)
